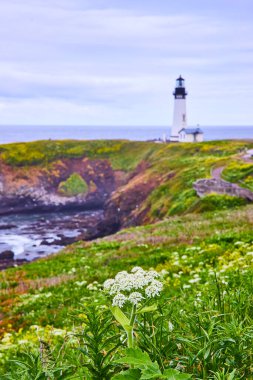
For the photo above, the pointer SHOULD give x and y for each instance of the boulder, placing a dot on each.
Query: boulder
(7, 255)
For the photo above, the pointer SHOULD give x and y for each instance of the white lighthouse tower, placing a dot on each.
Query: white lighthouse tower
(179, 117)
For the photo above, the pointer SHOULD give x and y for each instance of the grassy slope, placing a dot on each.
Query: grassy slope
(47, 292)
(240, 172)
(122, 154)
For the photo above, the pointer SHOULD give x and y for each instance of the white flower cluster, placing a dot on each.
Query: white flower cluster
(133, 287)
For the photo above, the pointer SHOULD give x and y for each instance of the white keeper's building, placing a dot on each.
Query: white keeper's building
(191, 135)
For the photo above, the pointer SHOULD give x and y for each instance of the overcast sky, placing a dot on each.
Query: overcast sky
(114, 62)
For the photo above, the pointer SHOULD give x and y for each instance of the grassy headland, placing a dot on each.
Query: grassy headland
(163, 173)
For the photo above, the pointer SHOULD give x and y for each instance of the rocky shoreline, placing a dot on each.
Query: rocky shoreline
(37, 220)
(8, 260)
(49, 233)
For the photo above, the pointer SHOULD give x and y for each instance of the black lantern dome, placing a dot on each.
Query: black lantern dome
(180, 92)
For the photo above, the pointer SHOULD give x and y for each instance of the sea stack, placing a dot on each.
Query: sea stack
(179, 117)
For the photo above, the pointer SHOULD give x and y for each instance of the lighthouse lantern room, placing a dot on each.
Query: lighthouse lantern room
(179, 117)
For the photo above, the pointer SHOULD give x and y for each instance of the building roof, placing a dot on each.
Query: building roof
(191, 131)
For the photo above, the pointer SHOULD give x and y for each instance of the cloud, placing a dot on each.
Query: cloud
(101, 60)
(46, 25)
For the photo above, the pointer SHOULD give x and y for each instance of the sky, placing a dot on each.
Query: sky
(114, 62)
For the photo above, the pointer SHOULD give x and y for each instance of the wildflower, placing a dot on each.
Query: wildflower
(164, 272)
(120, 275)
(81, 283)
(171, 326)
(92, 286)
(133, 286)
(58, 332)
(154, 289)
(108, 283)
(115, 288)
(119, 300)
(194, 280)
(128, 282)
(131, 289)
(151, 275)
(135, 298)
(23, 341)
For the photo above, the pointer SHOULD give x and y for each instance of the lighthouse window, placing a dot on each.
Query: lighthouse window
(184, 117)
(180, 82)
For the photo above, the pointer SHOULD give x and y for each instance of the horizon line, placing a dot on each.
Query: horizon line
(123, 125)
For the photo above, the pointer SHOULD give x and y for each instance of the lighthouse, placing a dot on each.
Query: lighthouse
(179, 117)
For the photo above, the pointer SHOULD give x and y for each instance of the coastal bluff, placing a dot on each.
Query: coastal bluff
(62, 176)
(133, 183)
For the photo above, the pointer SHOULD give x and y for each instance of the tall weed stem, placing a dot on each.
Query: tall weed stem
(130, 333)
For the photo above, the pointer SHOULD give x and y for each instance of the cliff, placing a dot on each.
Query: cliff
(133, 182)
(38, 189)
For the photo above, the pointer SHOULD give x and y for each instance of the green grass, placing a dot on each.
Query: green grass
(207, 264)
(73, 185)
(239, 172)
(122, 154)
(213, 202)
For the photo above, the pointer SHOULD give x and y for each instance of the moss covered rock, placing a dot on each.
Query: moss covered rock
(74, 185)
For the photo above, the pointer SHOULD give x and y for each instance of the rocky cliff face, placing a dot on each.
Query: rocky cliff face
(36, 189)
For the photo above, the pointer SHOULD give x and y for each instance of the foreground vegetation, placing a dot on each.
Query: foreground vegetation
(57, 322)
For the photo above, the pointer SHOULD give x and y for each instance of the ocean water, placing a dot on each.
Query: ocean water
(140, 133)
(34, 235)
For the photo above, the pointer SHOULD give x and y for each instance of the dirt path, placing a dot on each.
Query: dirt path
(248, 157)
(216, 184)
(216, 172)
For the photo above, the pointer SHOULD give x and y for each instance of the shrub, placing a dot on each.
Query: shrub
(219, 202)
(237, 171)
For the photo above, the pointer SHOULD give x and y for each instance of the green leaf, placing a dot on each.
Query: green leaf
(130, 374)
(173, 374)
(134, 356)
(121, 318)
(147, 309)
(207, 353)
(232, 375)
(151, 371)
